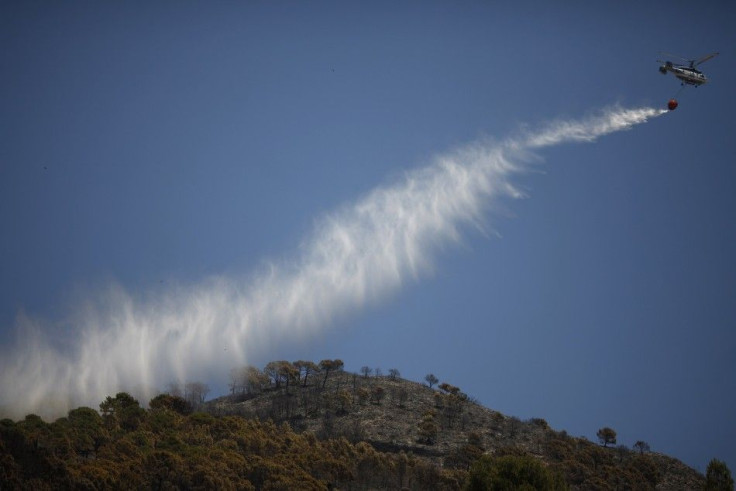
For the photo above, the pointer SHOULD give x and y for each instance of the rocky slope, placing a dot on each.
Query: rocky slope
(445, 427)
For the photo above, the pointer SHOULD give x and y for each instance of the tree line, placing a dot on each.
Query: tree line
(250, 380)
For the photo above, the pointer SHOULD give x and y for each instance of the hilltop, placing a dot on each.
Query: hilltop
(441, 425)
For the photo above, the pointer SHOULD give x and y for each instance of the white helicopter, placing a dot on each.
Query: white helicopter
(687, 73)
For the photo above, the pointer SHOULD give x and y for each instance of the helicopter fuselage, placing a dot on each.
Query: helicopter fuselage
(687, 75)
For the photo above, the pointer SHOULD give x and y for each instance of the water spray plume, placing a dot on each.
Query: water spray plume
(354, 257)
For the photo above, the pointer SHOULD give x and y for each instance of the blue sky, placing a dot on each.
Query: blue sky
(155, 146)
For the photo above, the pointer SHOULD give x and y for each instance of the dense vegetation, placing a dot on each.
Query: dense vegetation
(303, 425)
(165, 448)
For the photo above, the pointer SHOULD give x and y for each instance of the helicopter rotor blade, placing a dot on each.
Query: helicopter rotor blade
(705, 58)
(676, 56)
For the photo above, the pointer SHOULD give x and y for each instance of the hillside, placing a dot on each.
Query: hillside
(300, 426)
(448, 429)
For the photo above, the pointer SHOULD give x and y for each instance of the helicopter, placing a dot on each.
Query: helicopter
(687, 73)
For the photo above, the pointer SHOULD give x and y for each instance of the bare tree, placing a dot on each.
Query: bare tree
(641, 446)
(377, 394)
(236, 383)
(288, 373)
(305, 368)
(393, 374)
(255, 380)
(431, 379)
(174, 389)
(327, 366)
(195, 392)
(246, 380)
(606, 435)
(366, 371)
(272, 371)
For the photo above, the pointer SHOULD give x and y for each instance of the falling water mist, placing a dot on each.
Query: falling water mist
(355, 256)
